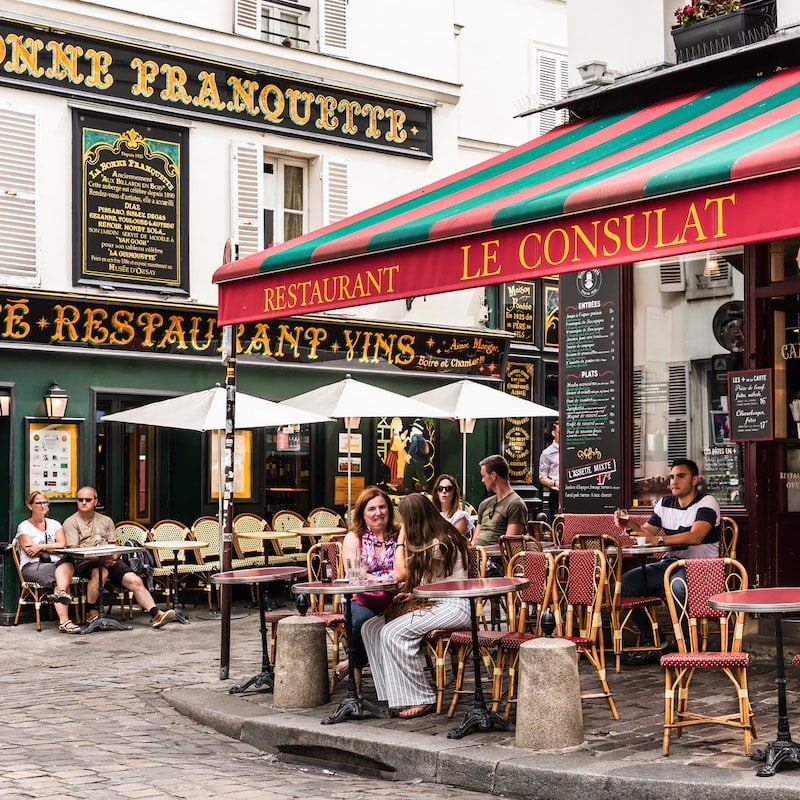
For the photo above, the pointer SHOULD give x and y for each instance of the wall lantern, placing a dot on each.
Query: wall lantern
(55, 401)
(5, 402)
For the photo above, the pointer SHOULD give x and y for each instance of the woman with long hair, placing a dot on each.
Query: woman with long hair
(446, 497)
(429, 549)
(371, 541)
(38, 537)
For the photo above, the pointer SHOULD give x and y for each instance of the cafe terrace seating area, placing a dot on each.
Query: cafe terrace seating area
(573, 571)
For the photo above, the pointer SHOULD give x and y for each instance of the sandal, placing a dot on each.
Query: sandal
(69, 627)
(416, 711)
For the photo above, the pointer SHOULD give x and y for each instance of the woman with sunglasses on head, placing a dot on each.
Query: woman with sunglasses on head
(38, 536)
(447, 498)
(371, 541)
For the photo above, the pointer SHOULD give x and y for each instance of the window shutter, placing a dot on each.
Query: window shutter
(18, 257)
(246, 199)
(677, 410)
(638, 382)
(671, 277)
(333, 27)
(335, 194)
(551, 85)
(247, 18)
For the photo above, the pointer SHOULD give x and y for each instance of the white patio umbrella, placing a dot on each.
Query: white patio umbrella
(350, 400)
(467, 401)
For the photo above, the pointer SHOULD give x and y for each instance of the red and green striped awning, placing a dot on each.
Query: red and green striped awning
(710, 169)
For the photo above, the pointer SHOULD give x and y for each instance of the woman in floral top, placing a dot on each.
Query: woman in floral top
(370, 542)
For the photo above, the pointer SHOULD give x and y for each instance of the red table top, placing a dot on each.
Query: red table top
(775, 599)
(471, 587)
(258, 575)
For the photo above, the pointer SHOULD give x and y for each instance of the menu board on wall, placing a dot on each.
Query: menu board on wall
(750, 398)
(518, 432)
(518, 305)
(590, 379)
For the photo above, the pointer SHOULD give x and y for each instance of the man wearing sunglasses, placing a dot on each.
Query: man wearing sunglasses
(87, 528)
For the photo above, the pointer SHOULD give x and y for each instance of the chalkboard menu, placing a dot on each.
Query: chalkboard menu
(590, 381)
(518, 432)
(750, 397)
(518, 305)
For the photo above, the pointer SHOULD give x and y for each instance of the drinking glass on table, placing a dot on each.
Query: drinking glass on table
(621, 517)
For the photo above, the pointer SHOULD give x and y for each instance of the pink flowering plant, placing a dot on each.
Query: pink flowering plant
(705, 9)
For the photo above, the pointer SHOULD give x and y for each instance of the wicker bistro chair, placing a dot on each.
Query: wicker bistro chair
(623, 607)
(728, 537)
(33, 593)
(170, 530)
(206, 529)
(705, 577)
(437, 642)
(249, 550)
(322, 517)
(511, 545)
(332, 614)
(288, 521)
(578, 590)
(126, 531)
(500, 649)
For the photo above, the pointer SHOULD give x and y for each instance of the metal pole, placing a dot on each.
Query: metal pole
(229, 360)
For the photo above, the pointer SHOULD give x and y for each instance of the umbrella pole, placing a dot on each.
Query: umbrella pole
(349, 478)
(229, 359)
(464, 463)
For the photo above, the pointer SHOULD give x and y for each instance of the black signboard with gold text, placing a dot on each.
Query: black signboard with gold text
(591, 442)
(130, 203)
(518, 432)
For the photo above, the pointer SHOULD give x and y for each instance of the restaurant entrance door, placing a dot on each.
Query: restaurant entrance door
(774, 490)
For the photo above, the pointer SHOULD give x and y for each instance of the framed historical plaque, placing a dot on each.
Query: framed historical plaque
(518, 300)
(130, 203)
(53, 457)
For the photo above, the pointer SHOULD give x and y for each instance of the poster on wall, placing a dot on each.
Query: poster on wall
(407, 453)
(590, 388)
(130, 203)
(52, 457)
(242, 465)
(750, 399)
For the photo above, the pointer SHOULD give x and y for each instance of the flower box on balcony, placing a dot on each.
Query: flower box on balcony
(724, 32)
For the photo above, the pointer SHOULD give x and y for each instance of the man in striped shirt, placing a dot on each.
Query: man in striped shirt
(688, 517)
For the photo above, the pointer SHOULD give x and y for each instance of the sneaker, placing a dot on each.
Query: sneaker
(163, 618)
(60, 597)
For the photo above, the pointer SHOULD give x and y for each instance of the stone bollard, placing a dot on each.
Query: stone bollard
(549, 714)
(301, 664)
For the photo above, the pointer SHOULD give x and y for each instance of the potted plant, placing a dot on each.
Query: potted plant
(711, 26)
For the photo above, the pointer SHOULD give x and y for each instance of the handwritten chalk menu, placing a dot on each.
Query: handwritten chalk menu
(590, 391)
(750, 397)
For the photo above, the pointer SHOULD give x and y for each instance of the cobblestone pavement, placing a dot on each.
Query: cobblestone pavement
(82, 718)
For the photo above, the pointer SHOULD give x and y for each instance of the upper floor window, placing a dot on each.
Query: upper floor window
(282, 23)
(550, 85)
(285, 201)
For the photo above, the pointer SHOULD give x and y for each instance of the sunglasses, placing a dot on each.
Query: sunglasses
(85, 499)
(40, 503)
(444, 488)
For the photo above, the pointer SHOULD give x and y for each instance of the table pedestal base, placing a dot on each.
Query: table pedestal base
(352, 707)
(775, 755)
(106, 624)
(180, 616)
(481, 719)
(264, 680)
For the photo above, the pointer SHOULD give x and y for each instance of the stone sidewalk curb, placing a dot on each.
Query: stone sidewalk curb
(574, 774)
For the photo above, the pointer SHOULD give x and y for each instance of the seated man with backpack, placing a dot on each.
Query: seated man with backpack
(87, 528)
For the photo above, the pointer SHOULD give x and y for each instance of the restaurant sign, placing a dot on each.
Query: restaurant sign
(70, 63)
(40, 318)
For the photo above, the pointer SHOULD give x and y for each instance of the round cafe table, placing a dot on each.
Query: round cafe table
(176, 545)
(315, 532)
(99, 553)
(259, 576)
(778, 602)
(352, 705)
(480, 718)
(644, 552)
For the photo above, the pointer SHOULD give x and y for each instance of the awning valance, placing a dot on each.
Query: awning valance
(710, 169)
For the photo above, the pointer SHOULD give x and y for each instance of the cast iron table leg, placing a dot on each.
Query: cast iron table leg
(480, 718)
(783, 750)
(179, 615)
(271, 603)
(352, 703)
(102, 622)
(266, 678)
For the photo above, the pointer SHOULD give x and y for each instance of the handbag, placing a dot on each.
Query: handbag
(407, 606)
(376, 601)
